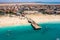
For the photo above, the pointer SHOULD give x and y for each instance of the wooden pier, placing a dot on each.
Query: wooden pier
(34, 24)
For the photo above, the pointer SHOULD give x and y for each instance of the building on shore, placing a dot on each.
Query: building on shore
(14, 7)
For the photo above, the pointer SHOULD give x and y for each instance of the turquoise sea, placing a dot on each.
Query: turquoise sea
(49, 31)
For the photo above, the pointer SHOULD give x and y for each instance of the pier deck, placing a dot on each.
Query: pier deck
(34, 24)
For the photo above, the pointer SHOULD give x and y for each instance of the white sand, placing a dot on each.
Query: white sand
(38, 18)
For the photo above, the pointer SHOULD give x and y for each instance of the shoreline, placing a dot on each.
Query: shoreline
(38, 18)
(52, 22)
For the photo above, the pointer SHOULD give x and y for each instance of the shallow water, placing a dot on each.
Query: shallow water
(49, 31)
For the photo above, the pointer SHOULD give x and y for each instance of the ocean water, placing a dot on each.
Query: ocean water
(49, 31)
(45, 3)
(49, 3)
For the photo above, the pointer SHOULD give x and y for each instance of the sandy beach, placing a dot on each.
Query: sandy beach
(38, 18)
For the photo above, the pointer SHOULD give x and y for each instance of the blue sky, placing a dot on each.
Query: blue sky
(29, 0)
